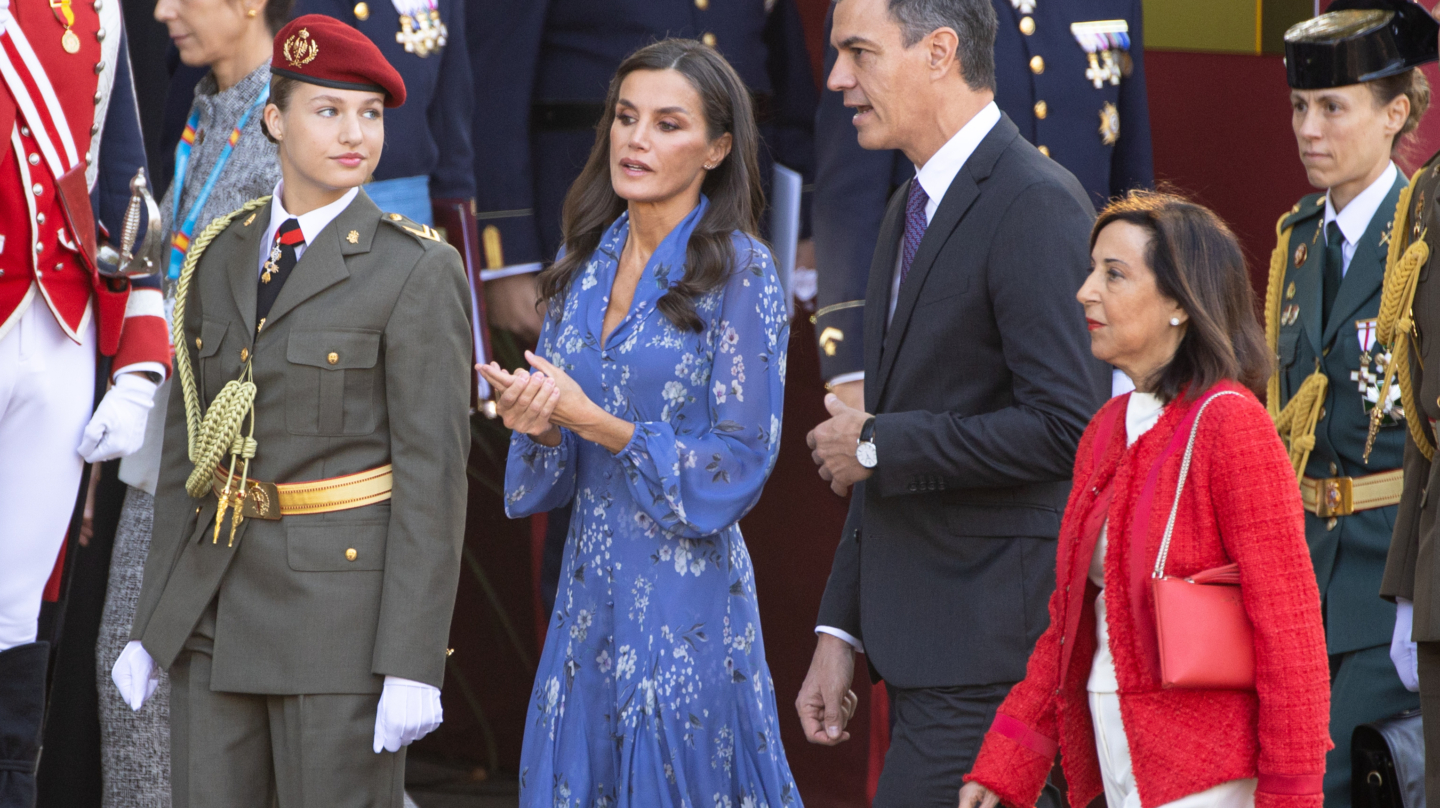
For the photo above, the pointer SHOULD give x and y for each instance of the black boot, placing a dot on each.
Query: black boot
(22, 714)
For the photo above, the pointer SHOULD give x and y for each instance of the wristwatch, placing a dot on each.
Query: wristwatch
(865, 446)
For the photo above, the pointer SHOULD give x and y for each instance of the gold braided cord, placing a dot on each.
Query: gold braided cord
(217, 432)
(1296, 422)
(1395, 322)
(1278, 260)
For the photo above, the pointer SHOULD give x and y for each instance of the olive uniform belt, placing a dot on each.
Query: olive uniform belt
(273, 500)
(1341, 496)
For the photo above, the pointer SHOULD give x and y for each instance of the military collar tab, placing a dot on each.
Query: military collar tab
(1309, 207)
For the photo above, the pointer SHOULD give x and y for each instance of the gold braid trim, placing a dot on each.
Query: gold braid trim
(1395, 322)
(1296, 422)
(218, 431)
(1278, 259)
(1297, 419)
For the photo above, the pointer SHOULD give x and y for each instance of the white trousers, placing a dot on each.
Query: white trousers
(47, 391)
(1114, 752)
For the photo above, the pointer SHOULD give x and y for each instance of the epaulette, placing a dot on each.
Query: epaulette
(422, 232)
(1308, 207)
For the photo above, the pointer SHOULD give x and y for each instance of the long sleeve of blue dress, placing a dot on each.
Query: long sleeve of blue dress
(695, 479)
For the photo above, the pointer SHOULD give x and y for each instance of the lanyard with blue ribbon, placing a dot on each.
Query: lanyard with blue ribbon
(180, 241)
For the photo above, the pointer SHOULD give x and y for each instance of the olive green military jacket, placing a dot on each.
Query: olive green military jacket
(363, 360)
(1413, 567)
(1348, 551)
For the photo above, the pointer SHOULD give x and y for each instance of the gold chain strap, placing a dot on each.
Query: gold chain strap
(217, 432)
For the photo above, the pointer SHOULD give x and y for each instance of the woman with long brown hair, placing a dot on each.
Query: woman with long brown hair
(654, 405)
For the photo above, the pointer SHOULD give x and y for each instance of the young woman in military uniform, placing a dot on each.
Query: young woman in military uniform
(1349, 115)
(311, 500)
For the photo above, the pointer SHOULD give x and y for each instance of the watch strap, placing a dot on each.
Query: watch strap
(867, 432)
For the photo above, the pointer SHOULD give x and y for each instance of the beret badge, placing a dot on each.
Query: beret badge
(300, 49)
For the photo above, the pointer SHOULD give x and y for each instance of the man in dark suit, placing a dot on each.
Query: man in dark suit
(981, 382)
(1071, 76)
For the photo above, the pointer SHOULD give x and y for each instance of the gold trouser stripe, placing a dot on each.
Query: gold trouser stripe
(332, 494)
(1371, 491)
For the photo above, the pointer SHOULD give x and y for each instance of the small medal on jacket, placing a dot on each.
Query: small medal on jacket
(272, 263)
(66, 17)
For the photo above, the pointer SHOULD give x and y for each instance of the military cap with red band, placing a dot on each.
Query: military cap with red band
(323, 50)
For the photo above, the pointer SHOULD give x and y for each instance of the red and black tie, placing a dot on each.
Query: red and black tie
(278, 265)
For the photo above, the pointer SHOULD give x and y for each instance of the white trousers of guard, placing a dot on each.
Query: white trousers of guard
(47, 392)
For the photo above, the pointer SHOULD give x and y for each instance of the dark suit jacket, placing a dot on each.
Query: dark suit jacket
(852, 184)
(981, 387)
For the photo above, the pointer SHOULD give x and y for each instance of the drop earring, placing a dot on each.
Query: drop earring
(1175, 321)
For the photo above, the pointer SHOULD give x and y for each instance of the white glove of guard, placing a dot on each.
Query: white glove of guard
(1402, 650)
(135, 675)
(118, 427)
(408, 711)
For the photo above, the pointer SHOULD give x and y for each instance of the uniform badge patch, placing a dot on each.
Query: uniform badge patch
(1109, 124)
(1290, 315)
(1290, 291)
(1107, 49)
(1300, 253)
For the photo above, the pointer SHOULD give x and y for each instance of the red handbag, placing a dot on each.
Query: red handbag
(1203, 634)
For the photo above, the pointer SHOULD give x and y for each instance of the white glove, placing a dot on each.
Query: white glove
(1402, 650)
(408, 711)
(118, 427)
(135, 675)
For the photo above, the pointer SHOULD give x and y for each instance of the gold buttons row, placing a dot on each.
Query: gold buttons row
(1027, 25)
(708, 38)
(1037, 64)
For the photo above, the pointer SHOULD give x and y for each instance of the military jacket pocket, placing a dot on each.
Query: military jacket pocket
(212, 336)
(336, 546)
(1289, 346)
(332, 387)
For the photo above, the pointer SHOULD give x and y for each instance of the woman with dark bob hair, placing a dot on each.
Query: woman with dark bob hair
(1168, 301)
(654, 406)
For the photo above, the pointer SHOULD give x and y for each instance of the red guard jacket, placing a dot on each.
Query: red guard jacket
(40, 261)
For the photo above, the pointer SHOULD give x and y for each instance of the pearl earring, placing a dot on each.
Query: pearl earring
(1174, 321)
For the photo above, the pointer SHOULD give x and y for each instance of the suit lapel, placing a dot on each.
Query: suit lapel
(1308, 281)
(877, 293)
(323, 264)
(243, 268)
(961, 195)
(1367, 266)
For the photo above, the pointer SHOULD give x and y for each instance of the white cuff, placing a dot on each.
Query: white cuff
(844, 635)
(140, 367)
(845, 378)
(513, 269)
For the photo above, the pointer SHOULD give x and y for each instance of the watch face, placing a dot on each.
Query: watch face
(865, 453)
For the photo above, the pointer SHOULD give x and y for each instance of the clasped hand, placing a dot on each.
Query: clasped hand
(832, 446)
(538, 402)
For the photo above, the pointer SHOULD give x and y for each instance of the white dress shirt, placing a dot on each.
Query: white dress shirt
(310, 223)
(1356, 216)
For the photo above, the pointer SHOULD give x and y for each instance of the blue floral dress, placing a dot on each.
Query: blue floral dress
(652, 688)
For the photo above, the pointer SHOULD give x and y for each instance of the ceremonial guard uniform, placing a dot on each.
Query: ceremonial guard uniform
(1071, 75)
(303, 568)
(1321, 304)
(71, 148)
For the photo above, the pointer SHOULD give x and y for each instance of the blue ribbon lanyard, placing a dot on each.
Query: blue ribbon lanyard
(180, 238)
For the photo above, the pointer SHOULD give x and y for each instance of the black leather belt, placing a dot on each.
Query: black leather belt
(570, 116)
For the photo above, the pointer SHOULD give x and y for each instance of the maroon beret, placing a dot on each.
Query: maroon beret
(323, 50)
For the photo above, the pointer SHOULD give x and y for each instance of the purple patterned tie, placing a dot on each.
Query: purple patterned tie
(914, 225)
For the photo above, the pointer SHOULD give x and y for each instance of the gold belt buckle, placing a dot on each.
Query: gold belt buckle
(1336, 497)
(261, 500)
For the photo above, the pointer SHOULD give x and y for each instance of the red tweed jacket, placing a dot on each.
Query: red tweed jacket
(1240, 505)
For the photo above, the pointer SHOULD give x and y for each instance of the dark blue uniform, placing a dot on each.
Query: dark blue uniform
(1042, 84)
(429, 136)
(542, 68)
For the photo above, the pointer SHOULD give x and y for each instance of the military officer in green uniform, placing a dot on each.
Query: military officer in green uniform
(1349, 113)
(311, 501)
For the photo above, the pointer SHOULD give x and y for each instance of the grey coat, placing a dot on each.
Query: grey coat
(364, 360)
(252, 171)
